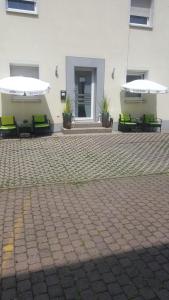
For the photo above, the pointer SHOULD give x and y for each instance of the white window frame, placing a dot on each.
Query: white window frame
(22, 11)
(132, 98)
(149, 19)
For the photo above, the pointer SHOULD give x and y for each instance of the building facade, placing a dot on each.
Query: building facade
(88, 49)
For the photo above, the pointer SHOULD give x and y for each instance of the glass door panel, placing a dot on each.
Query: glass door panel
(83, 94)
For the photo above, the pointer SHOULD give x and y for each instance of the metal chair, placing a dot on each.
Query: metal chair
(41, 124)
(8, 126)
(126, 123)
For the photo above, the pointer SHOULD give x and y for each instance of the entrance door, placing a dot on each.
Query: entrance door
(84, 94)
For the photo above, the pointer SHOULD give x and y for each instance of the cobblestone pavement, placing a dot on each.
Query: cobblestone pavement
(80, 158)
(101, 240)
(64, 235)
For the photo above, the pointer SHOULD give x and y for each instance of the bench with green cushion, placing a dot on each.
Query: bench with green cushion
(126, 122)
(8, 125)
(41, 124)
(150, 122)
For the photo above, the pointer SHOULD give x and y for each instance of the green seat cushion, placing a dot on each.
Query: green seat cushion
(125, 117)
(7, 120)
(149, 118)
(39, 118)
(41, 125)
(128, 123)
(154, 123)
(7, 127)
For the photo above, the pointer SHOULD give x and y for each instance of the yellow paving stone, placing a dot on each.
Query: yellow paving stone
(8, 248)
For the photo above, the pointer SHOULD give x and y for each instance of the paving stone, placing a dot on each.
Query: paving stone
(42, 297)
(23, 286)
(52, 280)
(123, 280)
(25, 296)
(98, 286)
(115, 289)
(67, 282)
(8, 283)
(94, 276)
(71, 293)
(55, 291)
(82, 284)
(104, 296)
(130, 291)
(120, 297)
(108, 277)
(87, 294)
(39, 288)
(8, 294)
(37, 277)
(163, 294)
(147, 293)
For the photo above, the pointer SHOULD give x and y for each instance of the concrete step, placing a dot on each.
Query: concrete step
(87, 130)
(86, 124)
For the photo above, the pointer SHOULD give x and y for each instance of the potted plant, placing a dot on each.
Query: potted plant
(25, 122)
(67, 114)
(105, 116)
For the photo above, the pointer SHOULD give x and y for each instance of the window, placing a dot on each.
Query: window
(141, 12)
(24, 70)
(138, 20)
(27, 71)
(131, 75)
(24, 6)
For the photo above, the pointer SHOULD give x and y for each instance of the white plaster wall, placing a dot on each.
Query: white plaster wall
(149, 50)
(95, 29)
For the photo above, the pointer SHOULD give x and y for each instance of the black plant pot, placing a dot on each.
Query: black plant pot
(105, 120)
(67, 120)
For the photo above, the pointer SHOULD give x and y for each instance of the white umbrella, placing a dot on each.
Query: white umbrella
(23, 86)
(144, 87)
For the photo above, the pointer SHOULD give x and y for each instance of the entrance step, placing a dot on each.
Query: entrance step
(87, 130)
(86, 125)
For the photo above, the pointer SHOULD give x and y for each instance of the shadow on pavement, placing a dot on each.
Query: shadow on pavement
(138, 274)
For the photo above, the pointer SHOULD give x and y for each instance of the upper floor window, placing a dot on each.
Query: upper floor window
(23, 6)
(141, 12)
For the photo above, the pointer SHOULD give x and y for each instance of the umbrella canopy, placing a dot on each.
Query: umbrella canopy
(23, 86)
(144, 87)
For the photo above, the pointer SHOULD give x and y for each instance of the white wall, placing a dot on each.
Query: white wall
(95, 29)
(149, 50)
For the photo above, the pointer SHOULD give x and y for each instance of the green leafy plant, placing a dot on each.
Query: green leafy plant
(105, 105)
(105, 116)
(67, 114)
(68, 106)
